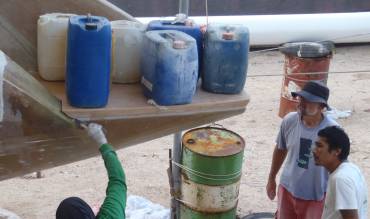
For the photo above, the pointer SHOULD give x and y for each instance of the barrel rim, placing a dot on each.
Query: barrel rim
(212, 127)
(311, 50)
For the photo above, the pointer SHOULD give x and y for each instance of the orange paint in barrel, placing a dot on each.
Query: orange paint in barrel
(310, 58)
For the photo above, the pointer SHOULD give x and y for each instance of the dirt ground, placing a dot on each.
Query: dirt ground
(145, 164)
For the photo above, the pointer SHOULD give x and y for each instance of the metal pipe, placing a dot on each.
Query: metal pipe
(170, 178)
(176, 156)
(184, 7)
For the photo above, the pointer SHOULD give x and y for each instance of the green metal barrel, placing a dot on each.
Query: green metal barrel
(188, 213)
(212, 160)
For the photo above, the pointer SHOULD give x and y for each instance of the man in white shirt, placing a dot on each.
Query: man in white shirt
(346, 194)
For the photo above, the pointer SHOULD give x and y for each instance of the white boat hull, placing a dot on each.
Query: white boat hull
(271, 30)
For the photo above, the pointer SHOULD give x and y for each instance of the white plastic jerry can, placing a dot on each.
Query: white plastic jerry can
(51, 45)
(127, 42)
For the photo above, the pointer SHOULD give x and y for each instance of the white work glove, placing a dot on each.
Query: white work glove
(95, 131)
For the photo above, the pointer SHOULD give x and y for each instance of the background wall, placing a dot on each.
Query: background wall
(146, 8)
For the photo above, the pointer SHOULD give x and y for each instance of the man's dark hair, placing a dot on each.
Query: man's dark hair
(337, 139)
(74, 208)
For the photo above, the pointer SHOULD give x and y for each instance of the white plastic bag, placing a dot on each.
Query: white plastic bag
(140, 208)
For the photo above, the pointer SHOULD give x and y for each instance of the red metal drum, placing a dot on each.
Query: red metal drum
(313, 59)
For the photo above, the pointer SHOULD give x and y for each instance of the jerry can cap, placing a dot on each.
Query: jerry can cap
(189, 23)
(90, 24)
(228, 35)
(179, 44)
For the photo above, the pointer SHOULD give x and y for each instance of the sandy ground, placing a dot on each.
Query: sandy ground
(145, 164)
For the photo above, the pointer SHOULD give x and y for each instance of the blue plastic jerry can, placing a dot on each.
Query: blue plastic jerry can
(187, 26)
(88, 61)
(225, 59)
(169, 67)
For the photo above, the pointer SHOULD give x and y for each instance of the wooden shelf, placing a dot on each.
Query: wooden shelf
(128, 101)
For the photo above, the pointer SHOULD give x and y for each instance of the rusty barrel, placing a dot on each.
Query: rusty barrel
(305, 61)
(211, 170)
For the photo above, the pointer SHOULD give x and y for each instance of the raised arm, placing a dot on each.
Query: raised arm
(115, 201)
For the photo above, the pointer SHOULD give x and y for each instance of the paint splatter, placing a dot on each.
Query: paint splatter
(2, 67)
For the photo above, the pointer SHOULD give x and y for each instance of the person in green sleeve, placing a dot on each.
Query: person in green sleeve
(115, 201)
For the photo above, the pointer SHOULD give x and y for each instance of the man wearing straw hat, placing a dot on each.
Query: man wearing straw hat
(115, 201)
(301, 191)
